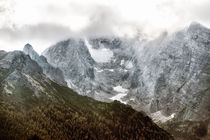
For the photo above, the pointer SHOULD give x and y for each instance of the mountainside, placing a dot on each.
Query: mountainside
(176, 73)
(73, 58)
(33, 106)
(95, 67)
(167, 77)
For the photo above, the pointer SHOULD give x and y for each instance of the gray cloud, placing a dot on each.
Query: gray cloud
(2, 9)
(102, 22)
(40, 36)
(202, 12)
(53, 21)
(41, 31)
(106, 21)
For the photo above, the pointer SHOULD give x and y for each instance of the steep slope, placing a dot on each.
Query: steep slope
(73, 58)
(165, 77)
(53, 73)
(176, 72)
(34, 107)
(121, 72)
(95, 67)
(188, 130)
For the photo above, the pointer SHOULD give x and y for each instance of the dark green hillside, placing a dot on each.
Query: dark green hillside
(67, 115)
(34, 107)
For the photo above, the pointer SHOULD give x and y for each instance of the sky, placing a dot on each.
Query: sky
(42, 23)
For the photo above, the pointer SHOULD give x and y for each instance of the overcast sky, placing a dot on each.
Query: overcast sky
(44, 22)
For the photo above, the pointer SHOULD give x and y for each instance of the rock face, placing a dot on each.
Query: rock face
(176, 75)
(176, 72)
(33, 106)
(167, 77)
(53, 73)
(73, 58)
(17, 70)
(93, 67)
(18, 60)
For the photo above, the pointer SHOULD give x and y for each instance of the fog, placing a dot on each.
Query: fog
(43, 23)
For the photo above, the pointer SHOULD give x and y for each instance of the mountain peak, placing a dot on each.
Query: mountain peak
(28, 49)
(28, 45)
(196, 27)
(194, 23)
(50, 71)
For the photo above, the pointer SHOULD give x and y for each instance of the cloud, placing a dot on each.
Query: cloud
(40, 31)
(107, 21)
(41, 36)
(102, 21)
(2, 9)
(54, 20)
(201, 12)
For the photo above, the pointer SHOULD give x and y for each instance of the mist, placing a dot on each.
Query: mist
(43, 23)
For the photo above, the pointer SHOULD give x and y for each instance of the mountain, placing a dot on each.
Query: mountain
(176, 74)
(73, 58)
(33, 106)
(168, 77)
(51, 72)
(95, 67)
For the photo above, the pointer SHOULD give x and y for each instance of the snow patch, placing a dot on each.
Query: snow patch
(118, 97)
(122, 92)
(97, 93)
(88, 91)
(122, 62)
(69, 83)
(120, 89)
(112, 70)
(129, 65)
(125, 70)
(132, 99)
(101, 55)
(98, 70)
(157, 116)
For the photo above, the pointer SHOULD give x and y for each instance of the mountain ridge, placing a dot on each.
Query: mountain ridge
(32, 106)
(52, 72)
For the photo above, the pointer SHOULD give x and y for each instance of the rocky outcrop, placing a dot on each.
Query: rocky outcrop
(53, 73)
(77, 65)
(84, 73)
